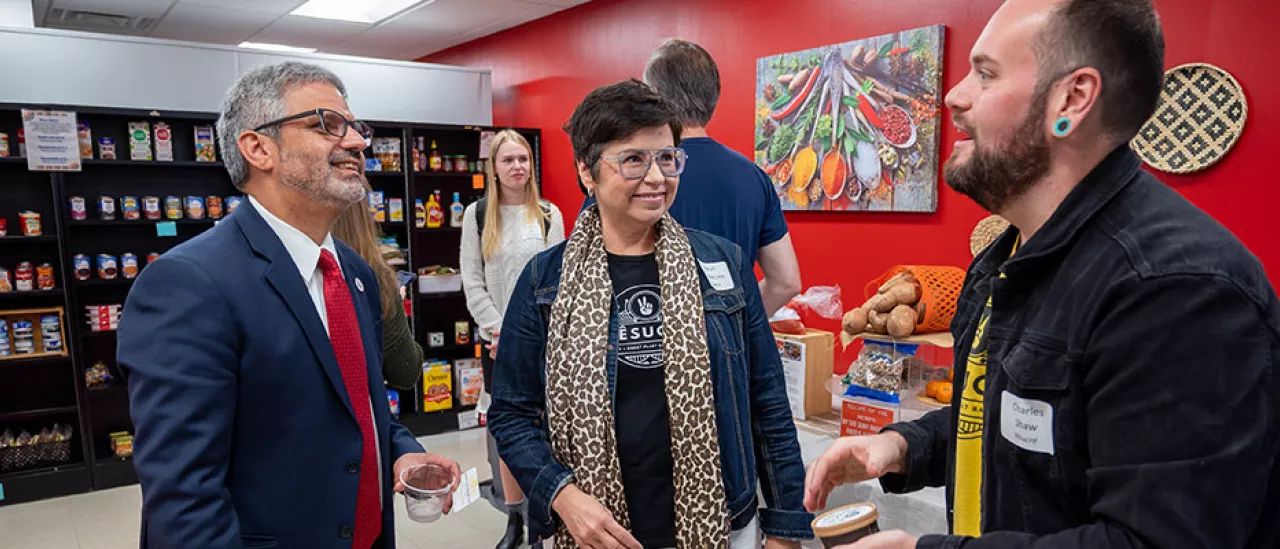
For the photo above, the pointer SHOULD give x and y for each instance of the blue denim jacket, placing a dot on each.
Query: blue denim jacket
(757, 434)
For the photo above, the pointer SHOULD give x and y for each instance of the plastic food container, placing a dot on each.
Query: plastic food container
(845, 525)
(425, 488)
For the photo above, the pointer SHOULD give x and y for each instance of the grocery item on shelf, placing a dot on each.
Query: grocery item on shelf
(206, 149)
(108, 266)
(195, 207)
(24, 277)
(80, 267)
(232, 203)
(419, 214)
(4, 145)
(213, 206)
(106, 148)
(456, 210)
(44, 277)
(85, 137)
(30, 223)
(139, 141)
(906, 301)
(128, 265)
(106, 208)
(164, 142)
(97, 377)
(78, 210)
(129, 208)
(103, 318)
(395, 210)
(50, 446)
(436, 161)
(121, 444)
(6, 285)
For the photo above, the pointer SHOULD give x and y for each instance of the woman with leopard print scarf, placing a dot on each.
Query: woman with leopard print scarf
(640, 391)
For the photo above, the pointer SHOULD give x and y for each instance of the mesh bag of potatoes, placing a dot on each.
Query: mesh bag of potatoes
(908, 300)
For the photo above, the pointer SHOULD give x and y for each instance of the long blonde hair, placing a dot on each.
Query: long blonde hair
(355, 228)
(492, 236)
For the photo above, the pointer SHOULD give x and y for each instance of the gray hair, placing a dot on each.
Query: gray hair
(257, 98)
(686, 75)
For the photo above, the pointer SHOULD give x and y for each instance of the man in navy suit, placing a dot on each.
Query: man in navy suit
(254, 350)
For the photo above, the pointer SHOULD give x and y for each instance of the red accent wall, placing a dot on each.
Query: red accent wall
(541, 71)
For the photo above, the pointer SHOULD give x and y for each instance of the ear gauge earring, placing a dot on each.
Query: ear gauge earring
(1062, 126)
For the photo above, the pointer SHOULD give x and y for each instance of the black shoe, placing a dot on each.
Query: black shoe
(515, 532)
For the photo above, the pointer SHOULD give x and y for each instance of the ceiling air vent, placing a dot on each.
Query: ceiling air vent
(95, 21)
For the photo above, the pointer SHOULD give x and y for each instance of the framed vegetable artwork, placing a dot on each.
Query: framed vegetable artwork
(853, 126)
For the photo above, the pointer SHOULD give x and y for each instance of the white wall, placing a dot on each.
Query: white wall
(45, 66)
(17, 13)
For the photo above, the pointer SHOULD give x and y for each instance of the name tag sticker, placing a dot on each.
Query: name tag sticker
(718, 275)
(1026, 423)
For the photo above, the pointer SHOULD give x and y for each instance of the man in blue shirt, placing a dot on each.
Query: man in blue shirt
(721, 191)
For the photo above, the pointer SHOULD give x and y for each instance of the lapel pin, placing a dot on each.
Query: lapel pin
(359, 285)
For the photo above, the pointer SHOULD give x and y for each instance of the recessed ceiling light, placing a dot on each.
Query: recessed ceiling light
(365, 12)
(275, 47)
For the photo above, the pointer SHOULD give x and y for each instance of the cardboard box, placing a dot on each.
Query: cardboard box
(437, 386)
(807, 362)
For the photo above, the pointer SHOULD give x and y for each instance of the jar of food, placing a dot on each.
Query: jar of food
(460, 164)
(845, 525)
(30, 222)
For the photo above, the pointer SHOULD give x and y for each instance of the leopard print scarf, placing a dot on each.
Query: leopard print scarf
(579, 408)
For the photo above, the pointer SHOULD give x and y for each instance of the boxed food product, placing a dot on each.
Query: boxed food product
(164, 142)
(807, 362)
(206, 148)
(437, 386)
(470, 381)
(395, 210)
(4, 145)
(86, 139)
(106, 148)
(139, 141)
(378, 206)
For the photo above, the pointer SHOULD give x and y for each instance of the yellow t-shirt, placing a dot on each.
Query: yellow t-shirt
(968, 488)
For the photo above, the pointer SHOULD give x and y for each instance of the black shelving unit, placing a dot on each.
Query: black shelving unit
(37, 392)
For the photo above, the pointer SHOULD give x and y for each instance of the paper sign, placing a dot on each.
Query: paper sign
(468, 491)
(1, 492)
(468, 420)
(166, 228)
(477, 181)
(486, 141)
(53, 142)
(793, 369)
(857, 418)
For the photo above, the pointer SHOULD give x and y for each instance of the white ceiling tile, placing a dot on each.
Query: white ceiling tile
(460, 16)
(308, 32)
(278, 7)
(137, 8)
(198, 23)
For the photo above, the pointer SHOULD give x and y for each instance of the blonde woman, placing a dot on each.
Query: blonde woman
(500, 234)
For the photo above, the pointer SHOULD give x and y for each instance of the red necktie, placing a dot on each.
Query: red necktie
(348, 346)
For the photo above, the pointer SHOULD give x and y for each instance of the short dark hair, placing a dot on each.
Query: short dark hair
(1123, 40)
(614, 112)
(687, 75)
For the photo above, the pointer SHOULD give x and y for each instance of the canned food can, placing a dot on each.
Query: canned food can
(129, 206)
(6, 285)
(107, 267)
(78, 210)
(151, 207)
(151, 257)
(106, 208)
(233, 202)
(173, 207)
(44, 277)
(195, 207)
(129, 265)
(24, 277)
(80, 266)
(30, 223)
(23, 329)
(214, 205)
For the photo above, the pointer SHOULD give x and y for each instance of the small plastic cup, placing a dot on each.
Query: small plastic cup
(425, 488)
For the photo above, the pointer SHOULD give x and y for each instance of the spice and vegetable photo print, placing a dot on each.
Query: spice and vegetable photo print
(853, 126)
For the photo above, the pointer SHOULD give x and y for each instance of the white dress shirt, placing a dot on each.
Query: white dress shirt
(306, 255)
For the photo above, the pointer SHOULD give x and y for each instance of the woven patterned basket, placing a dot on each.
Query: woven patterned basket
(939, 291)
(44, 453)
(1200, 116)
(986, 232)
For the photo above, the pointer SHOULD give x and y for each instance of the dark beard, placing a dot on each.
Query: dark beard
(993, 178)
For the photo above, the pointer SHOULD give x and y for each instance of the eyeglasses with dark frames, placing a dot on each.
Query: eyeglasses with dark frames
(331, 122)
(633, 164)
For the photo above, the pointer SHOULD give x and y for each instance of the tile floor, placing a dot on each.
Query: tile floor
(109, 519)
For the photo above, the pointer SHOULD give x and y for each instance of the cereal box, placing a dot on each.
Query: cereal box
(206, 149)
(470, 381)
(86, 139)
(437, 386)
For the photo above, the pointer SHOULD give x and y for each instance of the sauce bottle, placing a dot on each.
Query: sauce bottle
(419, 214)
(456, 210)
(437, 161)
(435, 214)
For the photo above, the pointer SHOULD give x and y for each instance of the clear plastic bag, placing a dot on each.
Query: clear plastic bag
(881, 366)
(823, 301)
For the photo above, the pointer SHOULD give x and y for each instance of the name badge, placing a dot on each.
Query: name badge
(359, 286)
(718, 275)
(1026, 423)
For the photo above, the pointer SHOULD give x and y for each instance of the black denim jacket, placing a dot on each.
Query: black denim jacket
(1152, 335)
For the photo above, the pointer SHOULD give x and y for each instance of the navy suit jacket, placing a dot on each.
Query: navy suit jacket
(245, 436)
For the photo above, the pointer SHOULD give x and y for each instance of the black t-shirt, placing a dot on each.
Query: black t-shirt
(640, 409)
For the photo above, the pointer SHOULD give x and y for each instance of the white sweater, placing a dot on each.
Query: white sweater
(488, 284)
